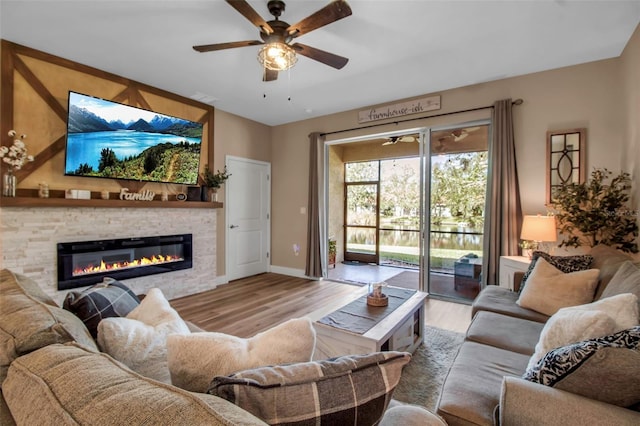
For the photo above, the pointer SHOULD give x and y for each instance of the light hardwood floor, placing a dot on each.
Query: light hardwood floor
(254, 304)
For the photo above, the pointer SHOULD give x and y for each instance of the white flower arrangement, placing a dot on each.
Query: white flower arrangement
(16, 155)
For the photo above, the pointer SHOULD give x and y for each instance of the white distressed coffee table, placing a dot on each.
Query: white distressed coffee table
(401, 330)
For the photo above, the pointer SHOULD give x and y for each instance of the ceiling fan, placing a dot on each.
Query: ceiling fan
(278, 54)
(392, 140)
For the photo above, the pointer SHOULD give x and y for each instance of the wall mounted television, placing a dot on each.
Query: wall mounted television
(106, 139)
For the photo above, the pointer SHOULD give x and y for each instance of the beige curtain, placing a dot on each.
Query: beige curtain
(503, 212)
(316, 233)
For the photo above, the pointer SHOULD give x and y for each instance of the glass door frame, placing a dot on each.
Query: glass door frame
(360, 256)
(427, 194)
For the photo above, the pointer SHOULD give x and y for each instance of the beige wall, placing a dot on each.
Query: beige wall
(239, 137)
(587, 95)
(630, 60)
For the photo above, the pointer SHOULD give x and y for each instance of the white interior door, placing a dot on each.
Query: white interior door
(248, 199)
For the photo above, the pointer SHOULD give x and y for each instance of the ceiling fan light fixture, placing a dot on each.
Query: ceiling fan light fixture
(277, 56)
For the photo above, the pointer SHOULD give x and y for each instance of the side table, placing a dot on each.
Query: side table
(509, 265)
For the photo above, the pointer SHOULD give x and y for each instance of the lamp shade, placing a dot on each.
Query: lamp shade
(539, 228)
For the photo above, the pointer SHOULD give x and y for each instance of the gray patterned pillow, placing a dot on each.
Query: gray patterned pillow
(349, 390)
(110, 298)
(566, 264)
(604, 369)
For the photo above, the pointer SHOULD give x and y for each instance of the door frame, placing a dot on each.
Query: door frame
(227, 219)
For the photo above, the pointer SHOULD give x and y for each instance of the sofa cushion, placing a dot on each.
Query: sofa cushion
(605, 369)
(625, 280)
(607, 260)
(195, 359)
(349, 390)
(69, 385)
(577, 323)
(140, 340)
(471, 390)
(109, 298)
(6, 419)
(411, 415)
(549, 289)
(503, 301)
(504, 332)
(566, 264)
(28, 321)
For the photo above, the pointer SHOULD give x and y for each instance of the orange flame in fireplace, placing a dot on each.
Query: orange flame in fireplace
(145, 261)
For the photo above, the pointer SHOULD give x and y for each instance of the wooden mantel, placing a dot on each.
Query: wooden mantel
(29, 198)
(64, 202)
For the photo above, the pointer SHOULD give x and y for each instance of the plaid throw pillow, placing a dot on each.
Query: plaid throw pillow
(349, 390)
(566, 264)
(110, 298)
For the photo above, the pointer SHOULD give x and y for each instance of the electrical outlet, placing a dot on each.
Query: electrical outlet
(296, 249)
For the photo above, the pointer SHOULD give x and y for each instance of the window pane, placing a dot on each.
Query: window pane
(361, 205)
(400, 194)
(400, 248)
(361, 240)
(366, 171)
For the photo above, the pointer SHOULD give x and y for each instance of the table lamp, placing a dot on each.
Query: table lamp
(539, 229)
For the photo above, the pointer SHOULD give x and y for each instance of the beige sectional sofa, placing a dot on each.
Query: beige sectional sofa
(52, 373)
(485, 386)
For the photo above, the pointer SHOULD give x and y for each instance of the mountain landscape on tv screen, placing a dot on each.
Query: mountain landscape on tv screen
(82, 120)
(163, 149)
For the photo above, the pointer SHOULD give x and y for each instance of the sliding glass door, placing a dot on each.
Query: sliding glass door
(457, 191)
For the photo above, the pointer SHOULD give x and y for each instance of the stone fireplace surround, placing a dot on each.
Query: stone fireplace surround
(30, 234)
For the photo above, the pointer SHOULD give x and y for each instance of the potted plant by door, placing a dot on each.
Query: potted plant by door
(332, 252)
(212, 182)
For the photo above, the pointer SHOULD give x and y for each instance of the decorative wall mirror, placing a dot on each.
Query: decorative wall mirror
(565, 158)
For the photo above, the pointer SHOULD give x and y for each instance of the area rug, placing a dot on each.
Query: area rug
(423, 377)
(406, 279)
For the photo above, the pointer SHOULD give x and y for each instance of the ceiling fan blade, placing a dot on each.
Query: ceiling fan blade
(222, 46)
(269, 75)
(248, 12)
(332, 12)
(327, 58)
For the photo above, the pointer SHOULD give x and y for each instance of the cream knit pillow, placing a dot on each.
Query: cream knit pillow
(549, 289)
(583, 322)
(140, 340)
(195, 359)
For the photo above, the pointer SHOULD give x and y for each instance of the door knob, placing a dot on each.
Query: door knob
(234, 226)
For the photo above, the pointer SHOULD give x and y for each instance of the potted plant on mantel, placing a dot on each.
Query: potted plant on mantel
(212, 182)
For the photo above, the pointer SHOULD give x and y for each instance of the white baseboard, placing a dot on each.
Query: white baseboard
(299, 273)
(221, 279)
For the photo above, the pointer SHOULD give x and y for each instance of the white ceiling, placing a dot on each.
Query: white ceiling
(396, 48)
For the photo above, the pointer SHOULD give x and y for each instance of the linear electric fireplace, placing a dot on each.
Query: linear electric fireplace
(87, 262)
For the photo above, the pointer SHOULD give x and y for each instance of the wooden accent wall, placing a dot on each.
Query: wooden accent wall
(34, 101)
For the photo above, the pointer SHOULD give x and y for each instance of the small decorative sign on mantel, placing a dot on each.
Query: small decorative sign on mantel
(415, 106)
(144, 195)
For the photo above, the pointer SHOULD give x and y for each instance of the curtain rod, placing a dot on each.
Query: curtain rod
(516, 102)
